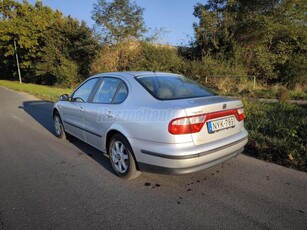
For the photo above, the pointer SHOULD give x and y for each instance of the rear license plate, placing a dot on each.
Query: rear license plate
(217, 125)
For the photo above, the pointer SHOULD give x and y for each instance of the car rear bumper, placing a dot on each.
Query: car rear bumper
(177, 159)
(179, 171)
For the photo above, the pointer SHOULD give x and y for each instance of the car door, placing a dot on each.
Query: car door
(102, 111)
(73, 110)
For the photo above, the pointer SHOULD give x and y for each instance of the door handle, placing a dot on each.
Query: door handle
(110, 114)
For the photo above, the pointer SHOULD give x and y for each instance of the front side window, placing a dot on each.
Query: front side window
(173, 87)
(84, 91)
(106, 91)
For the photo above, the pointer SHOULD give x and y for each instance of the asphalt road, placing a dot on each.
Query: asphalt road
(46, 183)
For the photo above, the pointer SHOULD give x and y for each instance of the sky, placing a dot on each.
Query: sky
(174, 16)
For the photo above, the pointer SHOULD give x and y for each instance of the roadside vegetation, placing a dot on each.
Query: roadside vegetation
(277, 132)
(46, 93)
(244, 48)
(238, 38)
(244, 86)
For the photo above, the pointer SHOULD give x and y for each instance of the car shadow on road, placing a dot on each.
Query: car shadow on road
(41, 111)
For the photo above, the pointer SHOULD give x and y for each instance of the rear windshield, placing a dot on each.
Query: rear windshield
(173, 87)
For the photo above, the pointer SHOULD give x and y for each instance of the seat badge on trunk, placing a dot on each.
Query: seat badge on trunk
(224, 106)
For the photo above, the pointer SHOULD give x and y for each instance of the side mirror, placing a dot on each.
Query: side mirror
(77, 99)
(64, 97)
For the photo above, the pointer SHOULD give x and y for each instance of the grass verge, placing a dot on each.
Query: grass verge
(43, 92)
(244, 87)
(277, 133)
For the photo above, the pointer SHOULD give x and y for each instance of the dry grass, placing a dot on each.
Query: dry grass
(244, 86)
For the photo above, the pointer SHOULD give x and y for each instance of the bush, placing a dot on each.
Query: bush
(59, 71)
(283, 94)
(159, 58)
(294, 72)
(121, 57)
(150, 57)
(133, 56)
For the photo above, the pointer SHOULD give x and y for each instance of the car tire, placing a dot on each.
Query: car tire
(121, 157)
(58, 126)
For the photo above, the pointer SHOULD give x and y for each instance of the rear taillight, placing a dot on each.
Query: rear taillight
(193, 124)
(186, 125)
(241, 115)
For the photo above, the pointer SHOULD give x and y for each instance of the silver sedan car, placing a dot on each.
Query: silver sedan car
(152, 122)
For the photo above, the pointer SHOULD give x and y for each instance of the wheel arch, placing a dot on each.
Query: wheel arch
(108, 138)
(55, 110)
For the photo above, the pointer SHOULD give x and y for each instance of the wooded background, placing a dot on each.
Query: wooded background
(262, 38)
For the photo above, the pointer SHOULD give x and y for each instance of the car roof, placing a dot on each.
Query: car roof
(133, 74)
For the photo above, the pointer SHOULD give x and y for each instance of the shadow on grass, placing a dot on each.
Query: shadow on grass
(41, 111)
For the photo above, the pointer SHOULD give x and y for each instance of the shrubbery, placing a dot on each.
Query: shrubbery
(223, 76)
(133, 56)
(144, 56)
(277, 133)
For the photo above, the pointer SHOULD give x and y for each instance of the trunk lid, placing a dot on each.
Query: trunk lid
(219, 111)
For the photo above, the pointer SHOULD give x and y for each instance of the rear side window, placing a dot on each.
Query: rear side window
(107, 90)
(121, 94)
(111, 90)
(173, 87)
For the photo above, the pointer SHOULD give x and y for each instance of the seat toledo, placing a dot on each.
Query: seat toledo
(152, 122)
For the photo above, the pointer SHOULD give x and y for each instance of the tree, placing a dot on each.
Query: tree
(53, 49)
(119, 20)
(272, 34)
(67, 44)
(214, 34)
(21, 22)
(264, 35)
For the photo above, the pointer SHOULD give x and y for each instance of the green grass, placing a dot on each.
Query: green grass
(277, 133)
(43, 92)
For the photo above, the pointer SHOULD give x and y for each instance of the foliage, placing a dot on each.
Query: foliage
(118, 20)
(52, 49)
(133, 56)
(295, 70)
(159, 58)
(277, 133)
(268, 37)
(124, 56)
